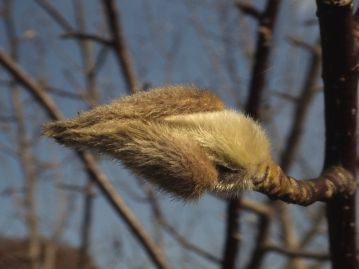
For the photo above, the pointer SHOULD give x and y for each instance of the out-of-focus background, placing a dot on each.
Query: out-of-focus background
(47, 204)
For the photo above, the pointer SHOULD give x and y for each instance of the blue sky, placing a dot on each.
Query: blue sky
(170, 42)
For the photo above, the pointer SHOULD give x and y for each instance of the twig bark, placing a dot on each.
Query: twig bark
(52, 11)
(340, 76)
(119, 45)
(88, 160)
(334, 182)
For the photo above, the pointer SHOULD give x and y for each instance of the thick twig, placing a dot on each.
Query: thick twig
(91, 167)
(121, 50)
(340, 76)
(334, 182)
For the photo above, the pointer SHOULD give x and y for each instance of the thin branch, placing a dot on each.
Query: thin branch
(302, 44)
(172, 231)
(86, 225)
(91, 68)
(262, 237)
(86, 36)
(289, 234)
(294, 253)
(90, 164)
(121, 50)
(182, 240)
(63, 93)
(54, 14)
(249, 9)
(258, 208)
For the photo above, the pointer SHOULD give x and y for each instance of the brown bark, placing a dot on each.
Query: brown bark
(340, 76)
(335, 181)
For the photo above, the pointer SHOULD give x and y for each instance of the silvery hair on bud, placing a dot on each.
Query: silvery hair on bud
(179, 138)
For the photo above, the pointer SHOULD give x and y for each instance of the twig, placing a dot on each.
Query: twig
(188, 245)
(248, 9)
(172, 231)
(86, 36)
(121, 50)
(289, 235)
(302, 44)
(53, 13)
(86, 225)
(335, 181)
(293, 253)
(63, 93)
(258, 208)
